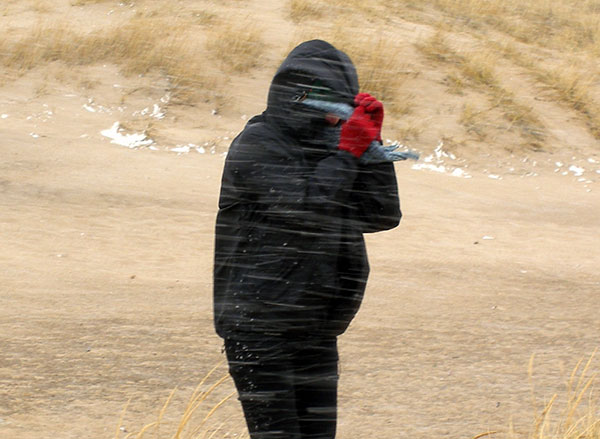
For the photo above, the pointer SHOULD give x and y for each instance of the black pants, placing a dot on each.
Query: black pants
(288, 389)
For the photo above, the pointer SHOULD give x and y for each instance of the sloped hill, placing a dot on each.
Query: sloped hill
(494, 89)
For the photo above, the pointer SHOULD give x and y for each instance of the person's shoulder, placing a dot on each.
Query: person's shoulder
(261, 138)
(258, 130)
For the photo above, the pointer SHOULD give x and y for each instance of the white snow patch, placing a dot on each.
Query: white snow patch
(439, 152)
(92, 107)
(458, 172)
(157, 113)
(576, 170)
(420, 166)
(129, 140)
(436, 162)
(34, 135)
(486, 237)
(4, 116)
(495, 177)
(591, 160)
(184, 149)
(166, 98)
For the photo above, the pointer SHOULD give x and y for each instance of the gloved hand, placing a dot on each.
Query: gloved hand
(374, 107)
(363, 126)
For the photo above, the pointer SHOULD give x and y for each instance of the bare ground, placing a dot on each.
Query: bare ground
(106, 291)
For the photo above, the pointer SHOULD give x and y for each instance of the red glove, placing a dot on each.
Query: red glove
(364, 125)
(374, 107)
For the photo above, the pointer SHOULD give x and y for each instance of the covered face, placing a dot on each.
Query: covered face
(314, 69)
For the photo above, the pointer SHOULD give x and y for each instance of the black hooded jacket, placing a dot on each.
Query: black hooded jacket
(290, 258)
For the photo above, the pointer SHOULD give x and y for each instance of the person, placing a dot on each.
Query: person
(290, 260)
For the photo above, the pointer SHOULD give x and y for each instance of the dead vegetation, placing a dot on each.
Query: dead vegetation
(572, 414)
(549, 39)
(142, 45)
(237, 46)
(198, 417)
(477, 70)
(200, 48)
(302, 10)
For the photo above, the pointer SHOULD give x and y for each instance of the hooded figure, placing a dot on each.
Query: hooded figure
(290, 260)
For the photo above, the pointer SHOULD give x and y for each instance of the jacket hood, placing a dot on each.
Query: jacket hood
(312, 62)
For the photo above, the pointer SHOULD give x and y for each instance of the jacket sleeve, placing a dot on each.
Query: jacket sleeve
(283, 187)
(374, 198)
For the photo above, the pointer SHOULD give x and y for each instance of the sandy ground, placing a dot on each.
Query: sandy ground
(105, 283)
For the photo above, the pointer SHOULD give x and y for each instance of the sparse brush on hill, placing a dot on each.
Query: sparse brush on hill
(142, 45)
(87, 2)
(558, 23)
(306, 9)
(477, 69)
(201, 47)
(571, 27)
(568, 82)
(237, 45)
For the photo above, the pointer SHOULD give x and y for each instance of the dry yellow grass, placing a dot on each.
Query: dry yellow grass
(573, 86)
(573, 24)
(41, 6)
(473, 120)
(577, 418)
(236, 45)
(579, 415)
(568, 27)
(569, 82)
(436, 48)
(302, 10)
(87, 2)
(166, 39)
(478, 70)
(140, 46)
(194, 422)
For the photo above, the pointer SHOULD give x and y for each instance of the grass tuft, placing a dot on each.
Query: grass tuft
(88, 2)
(580, 415)
(477, 69)
(140, 46)
(573, 24)
(302, 10)
(381, 71)
(193, 422)
(237, 45)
